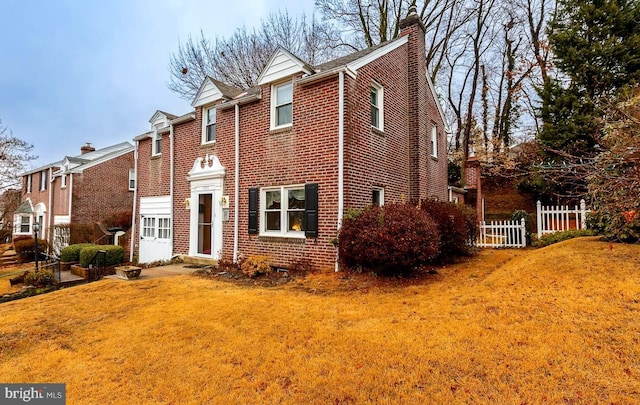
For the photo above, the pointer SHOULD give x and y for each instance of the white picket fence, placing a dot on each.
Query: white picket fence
(502, 234)
(560, 218)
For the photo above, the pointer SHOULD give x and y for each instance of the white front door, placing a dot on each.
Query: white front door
(155, 230)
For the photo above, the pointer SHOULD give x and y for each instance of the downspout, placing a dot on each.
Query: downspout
(236, 196)
(70, 195)
(340, 154)
(171, 186)
(135, 202)
(50, 208)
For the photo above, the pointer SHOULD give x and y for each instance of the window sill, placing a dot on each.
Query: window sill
(434, 158)
(377, 131)
(207, 144)
(158, 156)
(280, 130)
(282, 239)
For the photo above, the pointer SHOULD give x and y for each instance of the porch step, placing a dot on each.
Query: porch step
(68, 279)
(9, 257)
(199, 261)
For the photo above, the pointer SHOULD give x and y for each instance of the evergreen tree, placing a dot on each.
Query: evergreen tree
(596, 47)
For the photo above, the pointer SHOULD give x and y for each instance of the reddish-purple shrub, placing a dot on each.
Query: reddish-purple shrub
(26, 248)
(457, 227)
(392, 239)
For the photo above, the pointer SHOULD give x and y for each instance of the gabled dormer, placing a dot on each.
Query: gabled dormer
(210, 94)
(279, 72)
(283, 65)
(159, 125)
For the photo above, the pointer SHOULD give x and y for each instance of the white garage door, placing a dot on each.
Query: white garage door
(155, 229)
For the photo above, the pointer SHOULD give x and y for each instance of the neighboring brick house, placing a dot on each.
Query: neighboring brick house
(86, 188)
(272, 169)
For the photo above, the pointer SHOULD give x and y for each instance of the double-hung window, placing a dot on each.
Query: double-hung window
(43, 180)
(209, 133)
(282, 105)
(283, 211)
(29, 178)
(377, 104)
(132, 179)
(434, 140)
(25, 224)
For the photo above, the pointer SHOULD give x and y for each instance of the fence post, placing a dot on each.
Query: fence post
(583, 214)
(539, 218)
(523, 231)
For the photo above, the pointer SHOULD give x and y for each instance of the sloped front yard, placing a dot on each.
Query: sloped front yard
(559, 324)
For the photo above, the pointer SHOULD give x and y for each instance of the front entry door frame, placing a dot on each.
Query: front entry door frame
(206, 178)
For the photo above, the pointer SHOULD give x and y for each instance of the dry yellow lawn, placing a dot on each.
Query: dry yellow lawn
(555, 325)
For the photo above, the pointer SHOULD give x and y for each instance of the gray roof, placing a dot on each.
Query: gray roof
(24, 208)
(227, 91)
(345, 60)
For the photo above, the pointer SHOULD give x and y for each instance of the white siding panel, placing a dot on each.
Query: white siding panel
(61, 219)
(160, 205)
(209, 94)
(281, 66)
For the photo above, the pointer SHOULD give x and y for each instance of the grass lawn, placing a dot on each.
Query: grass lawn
(556, 325)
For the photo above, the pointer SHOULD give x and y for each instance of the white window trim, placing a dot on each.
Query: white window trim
(274, 94)
(132, 177)
(63, 181)
(43, 180)
(18, 225)
(380, 105)
(159, 228)
(156, 136)
(29, 180)
(381, 190)
(283, 232)
(205, 121)
(434, 141)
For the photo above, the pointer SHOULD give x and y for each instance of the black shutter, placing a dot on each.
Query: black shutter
(253, 210)
(311, 210)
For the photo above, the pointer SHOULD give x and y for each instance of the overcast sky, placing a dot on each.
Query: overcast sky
(77, 71)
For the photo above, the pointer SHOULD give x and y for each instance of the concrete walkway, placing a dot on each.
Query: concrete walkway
(159, 272)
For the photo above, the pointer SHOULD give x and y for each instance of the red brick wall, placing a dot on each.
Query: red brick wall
(60, 197)
(102, 190)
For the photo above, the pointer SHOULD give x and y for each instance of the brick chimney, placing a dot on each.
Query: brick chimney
(87, 148)
(418, 124)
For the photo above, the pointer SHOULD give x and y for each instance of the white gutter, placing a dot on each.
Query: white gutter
(340, 152)
(236, 196)
(49, 207)
(135, 201)
(171, 186)
(70, 195)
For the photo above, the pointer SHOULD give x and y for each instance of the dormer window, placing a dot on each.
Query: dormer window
(209, 125)
(281, 105)
(157, 140)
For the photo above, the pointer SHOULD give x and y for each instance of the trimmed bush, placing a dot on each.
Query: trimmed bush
(551, 238)
(454, 225)
(26, 248)
(114, 254)
(392, 239)
(616, 227)
(40, 279)
(71, 253)
(253, 266)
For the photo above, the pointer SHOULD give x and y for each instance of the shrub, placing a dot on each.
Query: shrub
(253, 266)
(551, 238)
(392, 239)
(120, 219)
(71, 253)
(517, 216)
(26, 248)
(40, 279)
(619, 227)
(114, 254)
(81, 233)
(452, 221)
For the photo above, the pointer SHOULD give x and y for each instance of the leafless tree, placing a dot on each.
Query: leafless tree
(15, 155)
(239, 59)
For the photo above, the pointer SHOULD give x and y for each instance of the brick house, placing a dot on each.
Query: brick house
(271, 169)
(78, 189)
